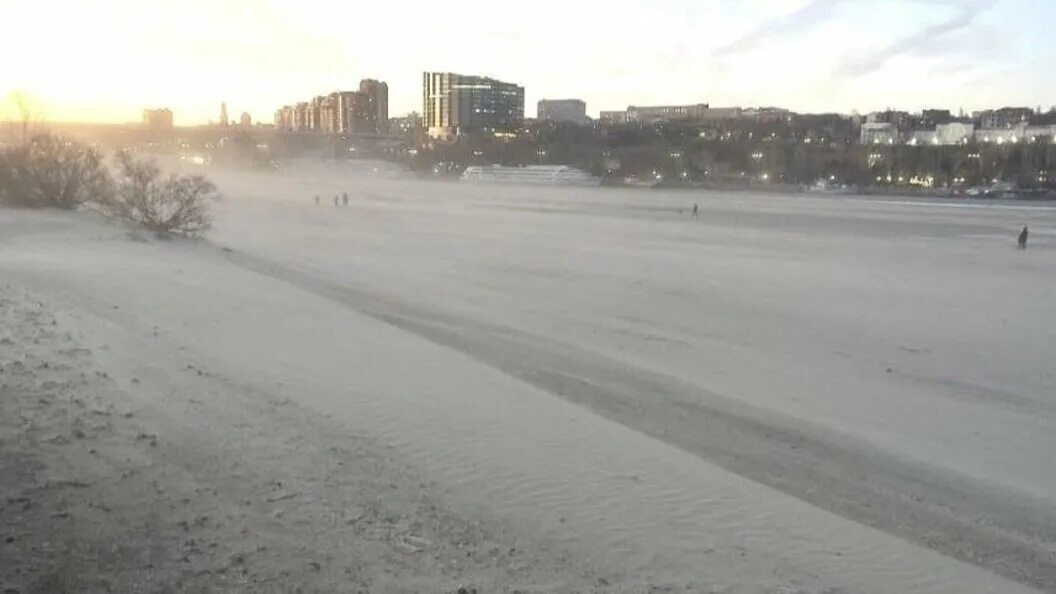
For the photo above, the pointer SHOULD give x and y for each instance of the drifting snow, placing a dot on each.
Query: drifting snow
(784, 392)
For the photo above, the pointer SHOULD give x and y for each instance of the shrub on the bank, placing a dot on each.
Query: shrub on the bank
(51, 171)
(166, 205)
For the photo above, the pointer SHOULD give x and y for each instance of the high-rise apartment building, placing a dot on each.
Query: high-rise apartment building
(354, 112)
(377, 94)
(563, 110)
(456, 104)
(315, 114)
(300, 117)
(223, 114)
(365, 111)
(329, 121)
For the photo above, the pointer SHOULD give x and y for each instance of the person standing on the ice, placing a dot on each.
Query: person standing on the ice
(337, 199)
(1023, 235)
(344, 198)
(696, 210)
(317, 199)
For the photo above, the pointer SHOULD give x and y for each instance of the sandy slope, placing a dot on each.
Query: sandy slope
(794, 393)
(131, 466)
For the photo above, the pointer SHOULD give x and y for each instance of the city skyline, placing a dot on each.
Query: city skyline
(804, 55)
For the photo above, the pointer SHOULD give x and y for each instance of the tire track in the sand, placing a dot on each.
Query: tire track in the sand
(1009, 533)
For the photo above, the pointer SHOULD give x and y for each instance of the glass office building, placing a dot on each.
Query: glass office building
(456, 104)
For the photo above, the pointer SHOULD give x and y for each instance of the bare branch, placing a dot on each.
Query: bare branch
(51, 171)
(174, 205)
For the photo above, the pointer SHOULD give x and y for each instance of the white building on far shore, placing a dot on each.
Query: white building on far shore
(879, 133)
(954, 133)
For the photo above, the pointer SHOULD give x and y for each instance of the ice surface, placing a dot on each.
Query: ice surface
(785, 390)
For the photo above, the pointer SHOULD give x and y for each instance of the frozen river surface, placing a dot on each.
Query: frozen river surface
(826, 393)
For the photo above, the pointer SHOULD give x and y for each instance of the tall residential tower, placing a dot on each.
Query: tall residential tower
(456, 104)
(377, 95)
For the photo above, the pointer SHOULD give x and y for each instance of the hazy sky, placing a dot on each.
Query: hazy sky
(105, 60)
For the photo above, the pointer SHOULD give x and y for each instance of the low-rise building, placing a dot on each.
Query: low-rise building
(1020, 133)
(563, 110)
(698, 112)
(613, 117)
(1006, 117)
(666, 113)
(879, 133)
(1041, 133)
(901, 120)
(922, 138)
(1000, 135)
(714, 114)
(765, 114)
(954, 133)
(405, 123)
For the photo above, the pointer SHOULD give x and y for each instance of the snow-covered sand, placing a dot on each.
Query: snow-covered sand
(786, 392)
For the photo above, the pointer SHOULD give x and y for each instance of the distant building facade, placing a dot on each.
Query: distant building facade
(300, 121)
(284, 118)
(879, 133)
(1006, 117)
(764, 114)
(1040, 133)
(714, 114)
(954, 133)
(900, 120)
(1019, 133)
(223, 114)
(667, 113)
(456, 104)
(246, 120)
(157, 119)
(376, 94)
(563, 110)
(699, 112)
(613, 117)
(930, 118)
(406, 123)
(922, 138)
(365, 111)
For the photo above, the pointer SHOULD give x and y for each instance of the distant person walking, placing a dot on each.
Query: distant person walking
(344, 198)
(317, 199)
(337, 200)
(1023, 235)
(696, 211)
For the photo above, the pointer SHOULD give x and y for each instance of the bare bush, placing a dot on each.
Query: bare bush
(51, 171)
(166, 205)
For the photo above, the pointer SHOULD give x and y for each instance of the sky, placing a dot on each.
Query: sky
(107, 60)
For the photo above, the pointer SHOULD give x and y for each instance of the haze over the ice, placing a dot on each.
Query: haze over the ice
(786, 393)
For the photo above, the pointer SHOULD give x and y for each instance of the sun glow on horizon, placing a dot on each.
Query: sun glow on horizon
(108, 60)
